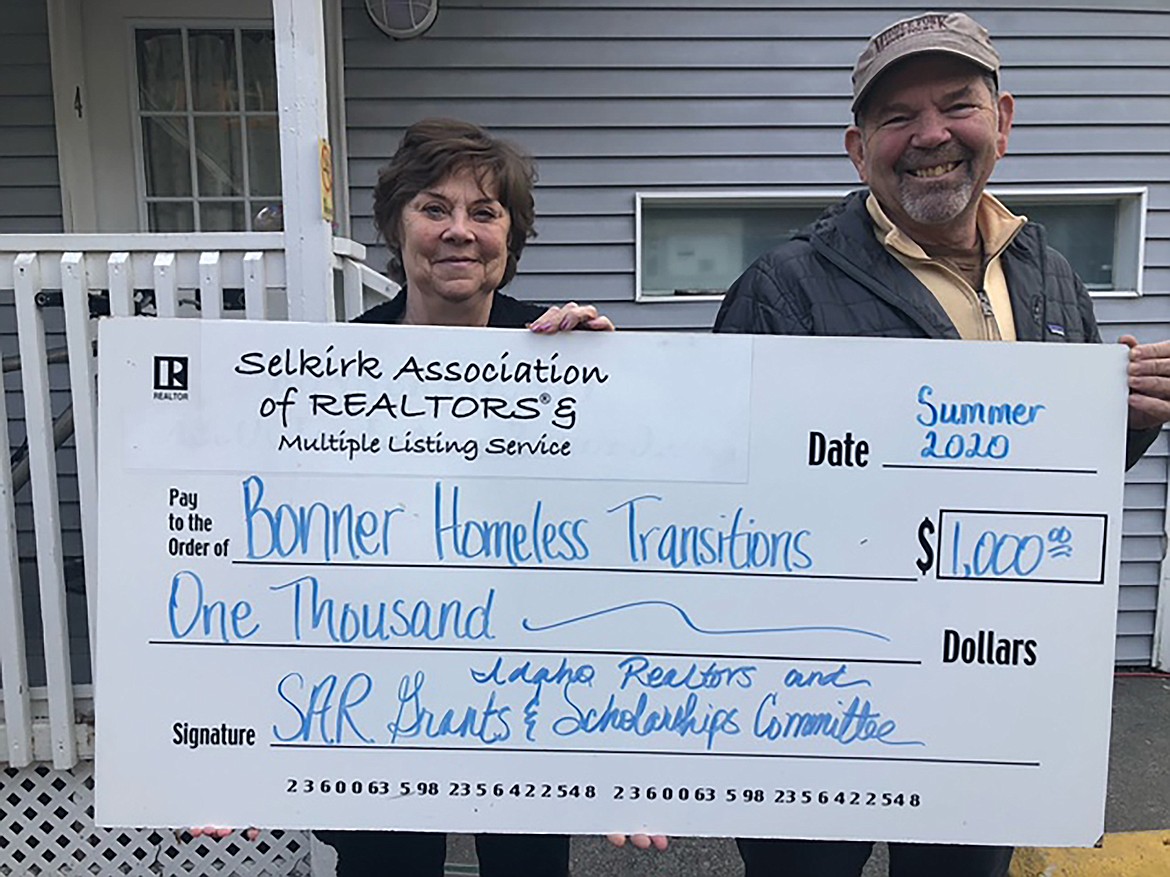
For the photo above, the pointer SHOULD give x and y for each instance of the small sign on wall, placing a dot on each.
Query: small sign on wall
(326, 180)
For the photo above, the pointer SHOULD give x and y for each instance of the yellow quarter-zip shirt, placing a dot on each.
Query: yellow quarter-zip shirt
(983, 314)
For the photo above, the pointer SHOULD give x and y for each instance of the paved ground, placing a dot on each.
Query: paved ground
(1139, 758)
(1138, 800)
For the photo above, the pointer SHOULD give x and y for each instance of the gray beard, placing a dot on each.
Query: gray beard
(941, 202)
(938, 205)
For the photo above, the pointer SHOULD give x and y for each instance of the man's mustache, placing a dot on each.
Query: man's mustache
(915, 159)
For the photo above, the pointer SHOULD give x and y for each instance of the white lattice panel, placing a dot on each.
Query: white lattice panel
(46, 828)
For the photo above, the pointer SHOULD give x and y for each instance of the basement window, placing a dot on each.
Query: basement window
(694, 245)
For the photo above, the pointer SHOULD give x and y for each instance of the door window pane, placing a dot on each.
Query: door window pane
(171, 216)
(162, 85)
(259, 70)
(221, 216)
(264, 155)
(267, 216)
(166, 149)
(219, 156)
(213, 70)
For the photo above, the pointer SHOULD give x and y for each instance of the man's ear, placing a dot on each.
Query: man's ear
(855, 146)
(1007, 111)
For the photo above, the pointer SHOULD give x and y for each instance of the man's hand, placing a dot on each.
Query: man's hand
(1149, 383)
(571, 316)
(641, 841)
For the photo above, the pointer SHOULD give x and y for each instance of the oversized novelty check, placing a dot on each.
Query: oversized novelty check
(382, 577)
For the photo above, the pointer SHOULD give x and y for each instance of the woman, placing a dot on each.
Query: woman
(455, 208)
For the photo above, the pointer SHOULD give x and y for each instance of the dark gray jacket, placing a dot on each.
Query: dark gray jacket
(836, 278)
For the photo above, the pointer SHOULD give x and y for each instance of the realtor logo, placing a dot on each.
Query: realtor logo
(171, 378)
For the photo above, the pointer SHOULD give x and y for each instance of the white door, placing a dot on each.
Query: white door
(182, 114)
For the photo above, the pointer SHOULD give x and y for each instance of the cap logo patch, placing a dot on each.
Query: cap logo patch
(905, 28)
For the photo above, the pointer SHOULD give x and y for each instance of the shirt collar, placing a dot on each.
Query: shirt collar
(997, 225)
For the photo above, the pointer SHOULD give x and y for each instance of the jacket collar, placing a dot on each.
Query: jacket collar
(844, 235)
(997, 225)
(1025, 267)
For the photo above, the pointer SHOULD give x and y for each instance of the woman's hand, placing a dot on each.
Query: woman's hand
(641, 841)
(221, 833)
(570, 316)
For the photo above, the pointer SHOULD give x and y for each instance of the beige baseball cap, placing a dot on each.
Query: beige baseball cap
(952, 33)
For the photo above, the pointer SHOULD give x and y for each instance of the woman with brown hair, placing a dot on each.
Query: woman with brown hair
(455, 208)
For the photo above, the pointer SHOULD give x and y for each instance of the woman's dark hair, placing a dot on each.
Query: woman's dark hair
(432, 150)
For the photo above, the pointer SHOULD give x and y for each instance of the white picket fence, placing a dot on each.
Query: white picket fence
(46, 732)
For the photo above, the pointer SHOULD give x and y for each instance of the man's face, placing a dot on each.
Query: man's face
(931, 133)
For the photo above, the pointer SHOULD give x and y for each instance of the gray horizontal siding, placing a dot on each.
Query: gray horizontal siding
(679, 140)
(748, 171)
(709, 82)
(30, 195)
(846, 23)
(728, 53)
(597, 111)
(30, 202)
(618, 97)
(22, 80)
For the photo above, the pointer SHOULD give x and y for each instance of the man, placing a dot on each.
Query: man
(926, 253)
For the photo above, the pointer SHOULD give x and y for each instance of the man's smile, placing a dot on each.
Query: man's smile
(935, 170)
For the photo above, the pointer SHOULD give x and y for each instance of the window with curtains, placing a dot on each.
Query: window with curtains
(208, 129)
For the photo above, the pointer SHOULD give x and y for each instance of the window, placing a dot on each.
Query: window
(1100, 231)
(207, 116)
(696, 244)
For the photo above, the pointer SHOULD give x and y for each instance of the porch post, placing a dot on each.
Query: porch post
(71, 111)
(304, 126)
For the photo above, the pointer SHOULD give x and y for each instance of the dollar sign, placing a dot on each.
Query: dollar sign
(925, 531)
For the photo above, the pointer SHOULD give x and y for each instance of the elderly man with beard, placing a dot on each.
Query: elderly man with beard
(927, 253)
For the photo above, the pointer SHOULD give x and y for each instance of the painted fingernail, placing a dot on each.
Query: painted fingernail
(567, 323)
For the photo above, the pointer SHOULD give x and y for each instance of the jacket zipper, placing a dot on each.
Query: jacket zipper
(988, 312)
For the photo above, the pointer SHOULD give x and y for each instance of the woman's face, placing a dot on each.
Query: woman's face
(454, 241)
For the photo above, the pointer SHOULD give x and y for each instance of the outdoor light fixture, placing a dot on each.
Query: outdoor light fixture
(403, 19)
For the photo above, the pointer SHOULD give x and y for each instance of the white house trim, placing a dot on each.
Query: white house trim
(71, 111)
(304, 124)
